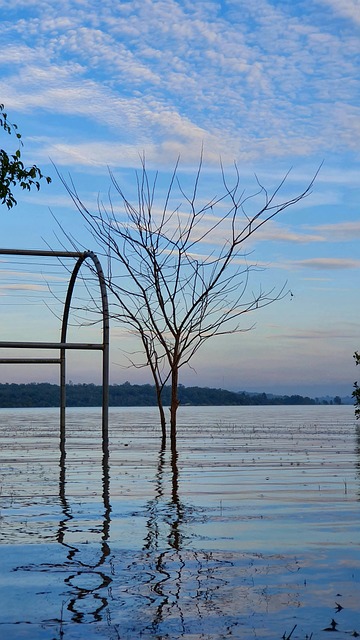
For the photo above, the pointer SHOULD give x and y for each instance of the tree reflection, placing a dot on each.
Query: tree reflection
(170, 512)
(180, 581)
(357, 451)
(171, 515)
(159, 583)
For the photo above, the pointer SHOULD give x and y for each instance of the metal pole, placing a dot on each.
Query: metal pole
(64, 326)
(63, 345)
(29, 360)
(41, 253)
(105, 371)
(52, 345)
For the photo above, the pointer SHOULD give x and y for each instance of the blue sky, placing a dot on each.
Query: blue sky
(270, 84)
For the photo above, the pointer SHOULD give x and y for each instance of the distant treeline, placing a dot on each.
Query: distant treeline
(43, 394)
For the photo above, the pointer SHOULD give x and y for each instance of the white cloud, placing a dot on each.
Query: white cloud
(328, 263)
(23, 287)
(8, 273)
(345, 8)
(339, 230)
(165, 74)
(280, 233)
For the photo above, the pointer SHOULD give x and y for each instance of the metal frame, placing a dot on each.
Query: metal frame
(63, 345)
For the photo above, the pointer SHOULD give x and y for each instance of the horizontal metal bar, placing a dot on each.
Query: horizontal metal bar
(50, 345)
(30, 361)
(34, 252)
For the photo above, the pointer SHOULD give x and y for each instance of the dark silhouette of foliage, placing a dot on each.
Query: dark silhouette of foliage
(44, 394)
(12, 169)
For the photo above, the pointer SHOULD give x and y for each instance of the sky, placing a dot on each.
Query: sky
(272, 85)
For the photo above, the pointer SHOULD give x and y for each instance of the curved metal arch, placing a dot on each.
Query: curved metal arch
(105, 346)
(63, 345)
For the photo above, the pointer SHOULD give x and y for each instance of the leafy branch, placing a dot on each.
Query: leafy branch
(12, 169)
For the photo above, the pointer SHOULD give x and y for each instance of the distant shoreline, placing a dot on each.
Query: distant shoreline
(43, 394)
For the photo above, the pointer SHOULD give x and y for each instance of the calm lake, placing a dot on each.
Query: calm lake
(249, 530)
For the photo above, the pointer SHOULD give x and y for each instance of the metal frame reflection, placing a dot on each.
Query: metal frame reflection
(79, 602)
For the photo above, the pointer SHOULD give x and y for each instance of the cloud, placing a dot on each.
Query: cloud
(339, 230)
(280, 233)
(187, 142)
(23, 287)
(339, 175)
(327, 263)
(8, 273)
(322, 334)
(166, 75)
(346, 8)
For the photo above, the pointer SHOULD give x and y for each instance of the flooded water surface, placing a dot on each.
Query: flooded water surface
(250, 529)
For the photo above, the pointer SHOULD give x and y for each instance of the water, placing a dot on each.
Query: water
(249, 530)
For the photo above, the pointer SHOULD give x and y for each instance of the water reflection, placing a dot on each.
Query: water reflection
(166, 589)
(213, 549)
(90, 579)
(181, 584)
(165, 584)
(171, 512)
(357, 454)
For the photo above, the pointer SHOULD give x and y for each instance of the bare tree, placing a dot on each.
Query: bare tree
(178, 274)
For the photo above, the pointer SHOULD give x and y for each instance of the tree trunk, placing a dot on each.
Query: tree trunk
(174, 404)
(162, 413)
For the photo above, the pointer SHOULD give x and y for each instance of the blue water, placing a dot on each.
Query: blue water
(250, 530)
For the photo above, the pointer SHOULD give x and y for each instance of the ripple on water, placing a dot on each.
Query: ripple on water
(251, 529)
